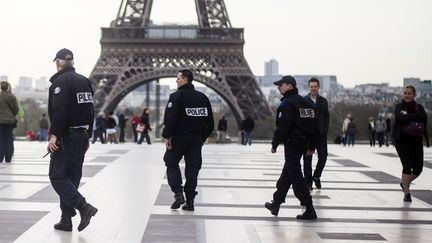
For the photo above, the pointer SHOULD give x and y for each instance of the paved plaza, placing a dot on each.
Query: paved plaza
(361, 200)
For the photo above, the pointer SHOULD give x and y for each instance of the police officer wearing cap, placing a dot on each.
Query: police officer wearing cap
(296, 129)
(70, 108)
(188, 123)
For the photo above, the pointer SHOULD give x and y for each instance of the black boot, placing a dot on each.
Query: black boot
(65, 224)
(309, 214)
(189, 206)
(86, 212)
(317, 182)
(179, 200)
(273, 207)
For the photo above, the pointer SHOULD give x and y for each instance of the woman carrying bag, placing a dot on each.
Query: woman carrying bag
(408, 131)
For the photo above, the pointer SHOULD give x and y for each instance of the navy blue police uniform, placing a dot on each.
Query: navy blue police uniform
(70, 108)
(188, 123)
(296, 129)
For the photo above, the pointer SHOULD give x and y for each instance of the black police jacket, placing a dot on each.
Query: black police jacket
(321, 112)
(295, 121)
(188, 112)
(70, 102)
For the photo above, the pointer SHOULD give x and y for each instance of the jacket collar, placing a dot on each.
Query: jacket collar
(289, 92)
(187, 86)
(64, 70)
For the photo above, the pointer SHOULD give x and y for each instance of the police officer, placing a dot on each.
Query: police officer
(188, 122)
(320, 105)
(70, 108)
(296, 125)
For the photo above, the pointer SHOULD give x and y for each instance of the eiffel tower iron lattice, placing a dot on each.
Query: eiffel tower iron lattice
(135, 52)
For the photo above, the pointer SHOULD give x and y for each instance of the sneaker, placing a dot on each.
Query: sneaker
(273, 207)
(407, 198)
(86, 212)
(179, 200)
(317, 182)
(189, 205)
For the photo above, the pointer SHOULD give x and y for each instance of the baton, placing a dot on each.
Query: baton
(46, 154)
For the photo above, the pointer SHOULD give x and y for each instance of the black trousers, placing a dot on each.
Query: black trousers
(65, 171)
(135, 133)
(322, 159)
(292, 175)
(122, 135)
(145, 135)
(187, 146)
(410, 152)
(6, 142)
(98, 133)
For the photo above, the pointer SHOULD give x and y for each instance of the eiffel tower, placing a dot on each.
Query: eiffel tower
(135, 52)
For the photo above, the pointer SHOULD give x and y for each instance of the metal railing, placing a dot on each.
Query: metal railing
(172, 33)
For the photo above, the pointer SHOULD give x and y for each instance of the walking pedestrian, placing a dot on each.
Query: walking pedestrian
(70, 108)
(145, 121)
(8, 111)
(409, 128)
(320, 106)
(297, 130)
(188, 123)
(43, 128)
(371, 132)
(222, 128)
(247, 126)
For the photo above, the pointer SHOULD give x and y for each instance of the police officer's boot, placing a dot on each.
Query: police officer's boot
(273, 207)
(189, 205)
(309, 214)
(86, 212)
(179, 200)
(65, 224)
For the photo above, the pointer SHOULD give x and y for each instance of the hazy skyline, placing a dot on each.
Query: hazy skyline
(367, 41)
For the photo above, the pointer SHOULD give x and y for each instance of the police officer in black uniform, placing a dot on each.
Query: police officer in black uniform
(188, 122)
(296, 129)
(70, 108)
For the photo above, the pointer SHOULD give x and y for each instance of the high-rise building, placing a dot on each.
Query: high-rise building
(271, 68)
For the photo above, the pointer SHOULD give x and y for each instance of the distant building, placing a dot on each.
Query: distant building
(271, 73)
(423, 88)
(3, 78)
(271, 68)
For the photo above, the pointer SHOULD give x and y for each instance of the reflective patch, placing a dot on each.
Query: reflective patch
(199, 111)
(169, 105)
(280, 114)
(57, 90)
(84, 97)
(306, 113)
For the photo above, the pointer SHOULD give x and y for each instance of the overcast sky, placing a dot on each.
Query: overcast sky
(359, 41)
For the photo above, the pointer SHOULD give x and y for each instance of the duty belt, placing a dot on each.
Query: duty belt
(77, 130)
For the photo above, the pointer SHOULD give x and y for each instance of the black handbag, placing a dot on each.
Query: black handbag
(414, 129)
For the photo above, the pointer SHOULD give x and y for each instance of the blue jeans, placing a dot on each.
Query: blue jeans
(322, 159)
(65, 171)
(43, 134)
(247, 138)
(6, 142)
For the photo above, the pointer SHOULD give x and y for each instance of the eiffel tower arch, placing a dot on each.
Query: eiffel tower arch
(135, 52)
